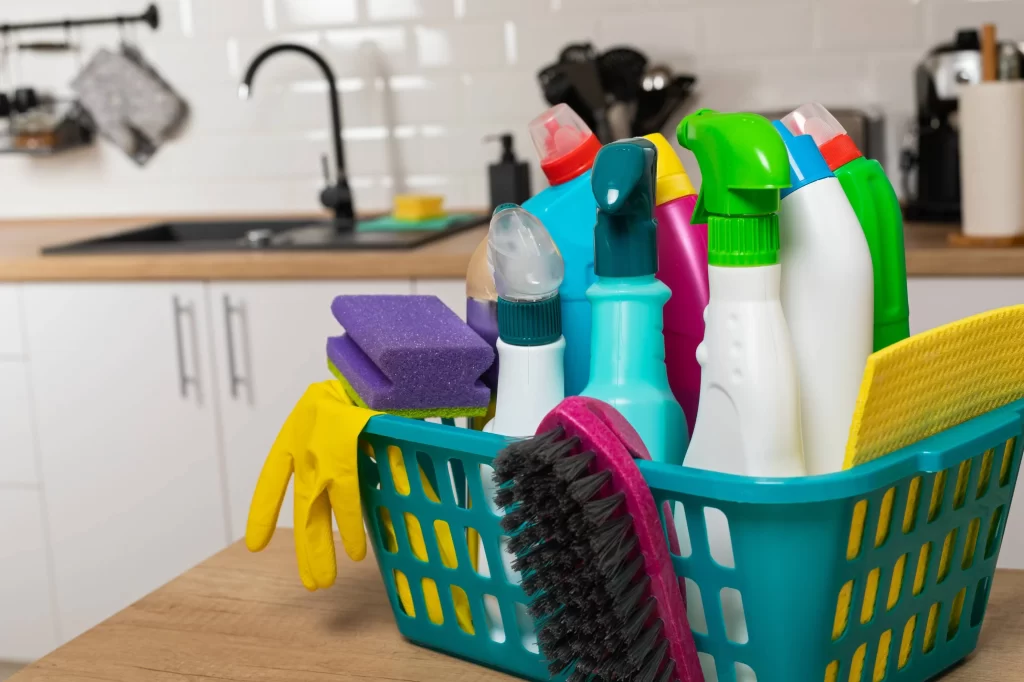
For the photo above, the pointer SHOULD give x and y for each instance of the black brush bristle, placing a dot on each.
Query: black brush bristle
(578, 555)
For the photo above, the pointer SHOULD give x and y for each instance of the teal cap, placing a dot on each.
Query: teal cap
(625, 236)
(530, 323)
(528, 270)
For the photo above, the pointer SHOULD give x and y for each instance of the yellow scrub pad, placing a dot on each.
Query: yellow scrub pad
(932, 381)
(417, 207)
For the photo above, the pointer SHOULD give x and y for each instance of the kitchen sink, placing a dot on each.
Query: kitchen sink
(257, 235)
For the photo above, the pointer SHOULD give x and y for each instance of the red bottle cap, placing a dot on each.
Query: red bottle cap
(839, 151)
(835, 145)
(564, 143)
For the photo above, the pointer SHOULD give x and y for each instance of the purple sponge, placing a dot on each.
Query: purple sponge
(401, 353)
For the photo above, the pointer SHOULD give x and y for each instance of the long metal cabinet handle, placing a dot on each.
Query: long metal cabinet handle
(185, 380)
(236, 379)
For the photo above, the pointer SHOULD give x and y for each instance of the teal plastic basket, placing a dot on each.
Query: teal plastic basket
(905, 545)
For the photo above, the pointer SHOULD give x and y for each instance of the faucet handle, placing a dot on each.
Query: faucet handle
(325, 168)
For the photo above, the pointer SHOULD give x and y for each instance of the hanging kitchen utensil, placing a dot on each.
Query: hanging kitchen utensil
(622, 70)
(656, 105)
(558, 88)
(578, 62)
(131, 104)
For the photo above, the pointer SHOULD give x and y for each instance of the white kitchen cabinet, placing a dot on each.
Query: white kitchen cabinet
(452, 292)
(935, 301)
(127, 428)
(11, 342)
(27, 626)
(17, 444)
(269, 345)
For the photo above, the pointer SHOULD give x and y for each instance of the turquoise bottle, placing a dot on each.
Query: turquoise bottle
(627, 365)
(567, 149)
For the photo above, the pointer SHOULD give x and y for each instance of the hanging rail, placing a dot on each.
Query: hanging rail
(150, 16)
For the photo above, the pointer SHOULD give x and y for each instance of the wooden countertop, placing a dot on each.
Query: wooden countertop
(239, 616)
(928, 254)
(20, 258)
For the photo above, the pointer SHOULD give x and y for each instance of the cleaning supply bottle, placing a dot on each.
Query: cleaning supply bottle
(567, 149)
(509, 178)
(482, 306)
(749, 416)
(528, 272)
(878, 211)
(627, 365)
(683, 267)
(827, 298)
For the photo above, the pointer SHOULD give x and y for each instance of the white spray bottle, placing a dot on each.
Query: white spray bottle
(528, 271)
(828, 299)
(748, 417)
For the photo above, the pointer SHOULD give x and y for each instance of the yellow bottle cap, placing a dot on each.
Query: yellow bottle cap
(673, 182)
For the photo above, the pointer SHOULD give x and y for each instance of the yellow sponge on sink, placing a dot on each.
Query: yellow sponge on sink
(417, 207)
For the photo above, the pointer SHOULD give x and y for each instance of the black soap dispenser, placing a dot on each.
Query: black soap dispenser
(509, 177)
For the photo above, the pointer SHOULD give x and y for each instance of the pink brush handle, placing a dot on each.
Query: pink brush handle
(603, 431)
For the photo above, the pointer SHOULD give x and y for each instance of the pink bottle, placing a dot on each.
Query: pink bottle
(683, 267)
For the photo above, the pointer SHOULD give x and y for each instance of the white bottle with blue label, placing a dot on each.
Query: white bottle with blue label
(828, 299)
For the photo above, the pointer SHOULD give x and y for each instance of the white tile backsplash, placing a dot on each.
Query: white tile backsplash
(219, 18)
(481, 45)
(846, 25)
(768, 28)
(946, 16)
(665, 36)
(307, 13)
(408, 10)
(458, 70)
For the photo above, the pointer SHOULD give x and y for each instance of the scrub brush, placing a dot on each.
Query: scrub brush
(590, 547)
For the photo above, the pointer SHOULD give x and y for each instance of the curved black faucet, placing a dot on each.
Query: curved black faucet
(337, 197)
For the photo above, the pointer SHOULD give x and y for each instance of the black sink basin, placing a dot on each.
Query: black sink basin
(255, 235)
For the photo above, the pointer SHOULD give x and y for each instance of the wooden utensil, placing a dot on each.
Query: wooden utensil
(989, 53)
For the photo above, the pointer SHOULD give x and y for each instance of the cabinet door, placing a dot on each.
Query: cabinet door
(452, 292)
(935, 301)
(269, 344)
(122, 381)
(10, 321)
(17, 445)
(27, 629)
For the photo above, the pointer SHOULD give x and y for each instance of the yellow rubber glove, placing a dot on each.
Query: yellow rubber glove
(318, 444)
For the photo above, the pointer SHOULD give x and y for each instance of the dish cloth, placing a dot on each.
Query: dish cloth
(933, 381)
(390, 224)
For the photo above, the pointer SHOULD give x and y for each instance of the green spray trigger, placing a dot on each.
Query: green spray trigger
(743, 162)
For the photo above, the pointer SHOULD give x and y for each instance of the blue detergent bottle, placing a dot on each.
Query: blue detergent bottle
(627, 367)
(567, 149)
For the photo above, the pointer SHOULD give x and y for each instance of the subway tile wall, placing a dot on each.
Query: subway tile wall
(423, 81)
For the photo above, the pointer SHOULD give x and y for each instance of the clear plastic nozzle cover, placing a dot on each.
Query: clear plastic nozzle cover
(557, 131)
(522, 255)
(814, 120)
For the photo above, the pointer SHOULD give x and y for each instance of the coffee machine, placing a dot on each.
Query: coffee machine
(932, 155)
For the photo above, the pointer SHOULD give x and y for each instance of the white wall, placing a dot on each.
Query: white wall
(459, 69)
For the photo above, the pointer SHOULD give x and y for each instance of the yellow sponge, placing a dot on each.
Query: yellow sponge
(932, 381)
(417, 207)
